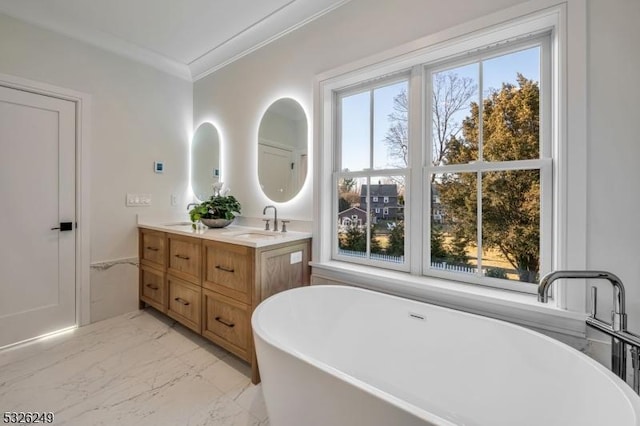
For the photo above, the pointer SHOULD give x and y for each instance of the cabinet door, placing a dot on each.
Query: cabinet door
(229, 270)
(184, 257)
(226, 322)
(282, 269)
(184, 303)
(152, 248)
(153, 288)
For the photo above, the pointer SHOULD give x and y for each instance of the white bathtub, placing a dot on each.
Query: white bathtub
(334, 356)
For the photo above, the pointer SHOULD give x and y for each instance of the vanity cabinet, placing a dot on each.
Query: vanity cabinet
(184, 257)
(152, 249)
(153, 284)
(153, 288)
(184, 302)
(212, 287)
(227, 322)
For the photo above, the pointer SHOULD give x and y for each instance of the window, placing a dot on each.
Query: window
(371, 162)
(460, 143)
(488, 163)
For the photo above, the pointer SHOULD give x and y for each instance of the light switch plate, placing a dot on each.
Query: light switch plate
(138, 200)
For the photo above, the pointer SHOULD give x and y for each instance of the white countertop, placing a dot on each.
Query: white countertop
(242, 235)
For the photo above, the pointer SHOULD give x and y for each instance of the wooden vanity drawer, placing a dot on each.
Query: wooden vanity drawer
(152, 248)
(227, 323)
(229, 269)
(153, 288)
(184, 257)
(184, 303)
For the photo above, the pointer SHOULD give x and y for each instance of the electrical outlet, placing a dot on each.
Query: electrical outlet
(174, 200)
(138, 200)
(295, 257)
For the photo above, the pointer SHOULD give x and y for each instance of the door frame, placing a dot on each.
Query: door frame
(83, 144)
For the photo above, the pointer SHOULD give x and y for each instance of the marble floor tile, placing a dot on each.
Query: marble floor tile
(139, 368)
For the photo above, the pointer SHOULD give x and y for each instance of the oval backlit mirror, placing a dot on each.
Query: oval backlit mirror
(205, 160)
(282, 150)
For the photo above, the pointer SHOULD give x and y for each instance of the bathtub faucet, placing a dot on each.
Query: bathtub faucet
(618, 315)
(617, 329)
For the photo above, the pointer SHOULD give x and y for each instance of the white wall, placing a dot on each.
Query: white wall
(613, 237)
(138, 115)
(236, 96)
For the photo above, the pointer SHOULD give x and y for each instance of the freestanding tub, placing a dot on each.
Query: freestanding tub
(343, 356)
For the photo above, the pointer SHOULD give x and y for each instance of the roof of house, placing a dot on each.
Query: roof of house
(350, 210)
(381, 190)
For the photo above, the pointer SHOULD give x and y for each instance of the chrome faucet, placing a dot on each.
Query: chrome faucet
(617, 329)
(275, 216)
(192, 204)
(618, 315)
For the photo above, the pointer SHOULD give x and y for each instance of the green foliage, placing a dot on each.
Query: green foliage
(216, 207)
(510, 199)
(374, 244)
(395, 246)
(354, 239)
(496, 273)
(452, 253)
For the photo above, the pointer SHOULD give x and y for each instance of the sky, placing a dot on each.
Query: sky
(355, 108)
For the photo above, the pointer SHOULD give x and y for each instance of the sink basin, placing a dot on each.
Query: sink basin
(255, 236)
(251, 234)
(178, 224)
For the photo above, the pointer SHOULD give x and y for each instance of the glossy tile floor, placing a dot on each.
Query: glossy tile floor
(136, 369)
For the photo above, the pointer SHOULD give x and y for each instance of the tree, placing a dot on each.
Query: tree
(510, 199)
(354, 239)
(395, 246)
(397, 137)
(451, 94)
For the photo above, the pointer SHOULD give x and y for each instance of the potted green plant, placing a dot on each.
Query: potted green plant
(218, 211)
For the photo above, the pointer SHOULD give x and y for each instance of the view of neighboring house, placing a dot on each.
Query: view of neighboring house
(353, 216)
(437, 215)
(384, 201)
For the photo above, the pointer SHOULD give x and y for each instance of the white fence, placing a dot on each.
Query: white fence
(455, 268)
(443, 266)
(373, 256)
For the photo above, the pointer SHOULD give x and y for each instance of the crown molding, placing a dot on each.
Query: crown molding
(245, 41)
(250, 39)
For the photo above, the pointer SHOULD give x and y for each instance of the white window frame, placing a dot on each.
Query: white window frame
(569, 127)
(544, 164)
(386, 200)
(369, 174)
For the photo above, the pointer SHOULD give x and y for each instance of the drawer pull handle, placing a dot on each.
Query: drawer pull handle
(180, 256)
(152, 287)
(227, 323)
(224, 268)
(181, 300)
(153, 248)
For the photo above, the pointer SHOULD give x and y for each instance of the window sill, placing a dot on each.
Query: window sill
(519, 308)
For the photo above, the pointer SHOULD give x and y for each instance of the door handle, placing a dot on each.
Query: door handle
(64, 226)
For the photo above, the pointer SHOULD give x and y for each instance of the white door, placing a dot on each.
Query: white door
(37, 193)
